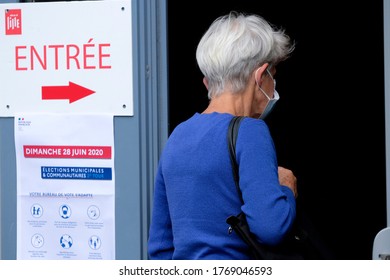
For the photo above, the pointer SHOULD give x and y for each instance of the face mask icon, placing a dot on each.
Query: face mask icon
(65, 211)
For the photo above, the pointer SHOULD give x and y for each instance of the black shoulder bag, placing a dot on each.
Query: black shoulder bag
(297, 245)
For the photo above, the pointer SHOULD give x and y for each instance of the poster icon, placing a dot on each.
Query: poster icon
(93, 212)
(66, 241)
(94, 242)
(37, 240)
(65, 211)
(36, 210)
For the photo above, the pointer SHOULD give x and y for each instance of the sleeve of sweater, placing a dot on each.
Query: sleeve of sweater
(160, 243)
(270, 208)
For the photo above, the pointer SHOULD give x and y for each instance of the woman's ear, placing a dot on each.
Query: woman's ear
(206, 83)
(259, 73)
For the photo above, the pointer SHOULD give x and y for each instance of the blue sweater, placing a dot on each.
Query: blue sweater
(195, 191)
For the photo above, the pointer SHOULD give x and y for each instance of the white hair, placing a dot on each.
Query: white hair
(234, 46)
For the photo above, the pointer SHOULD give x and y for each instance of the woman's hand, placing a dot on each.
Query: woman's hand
(288, 179)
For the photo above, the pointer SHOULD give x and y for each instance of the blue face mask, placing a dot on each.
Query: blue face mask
(271, 101)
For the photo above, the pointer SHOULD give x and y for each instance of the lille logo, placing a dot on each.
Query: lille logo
(13, 22)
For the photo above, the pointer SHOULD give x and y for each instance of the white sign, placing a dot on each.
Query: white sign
(65, 187)
(66, 57)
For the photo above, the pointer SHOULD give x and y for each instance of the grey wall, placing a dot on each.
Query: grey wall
(386, 33)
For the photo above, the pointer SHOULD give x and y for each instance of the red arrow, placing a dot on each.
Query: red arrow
(72, 92)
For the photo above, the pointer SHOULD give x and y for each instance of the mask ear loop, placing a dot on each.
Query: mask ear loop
(269, 73)
(266, 95)
(269, 66)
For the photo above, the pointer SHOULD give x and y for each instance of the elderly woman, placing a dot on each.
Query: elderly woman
(194, 187)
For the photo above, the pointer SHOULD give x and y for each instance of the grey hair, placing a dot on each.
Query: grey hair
(234, 46)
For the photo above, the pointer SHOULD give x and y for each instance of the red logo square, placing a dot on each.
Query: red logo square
(13, 22)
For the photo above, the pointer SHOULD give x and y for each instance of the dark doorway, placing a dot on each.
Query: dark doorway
(329, 123)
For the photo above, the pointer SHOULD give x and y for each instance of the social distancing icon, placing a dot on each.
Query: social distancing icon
(36, 210)
(94, 242)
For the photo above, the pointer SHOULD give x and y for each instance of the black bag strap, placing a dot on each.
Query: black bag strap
(238, 223)
(231, 139)
(299, 246)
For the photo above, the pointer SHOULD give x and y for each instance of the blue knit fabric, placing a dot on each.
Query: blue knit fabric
(195, 191)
